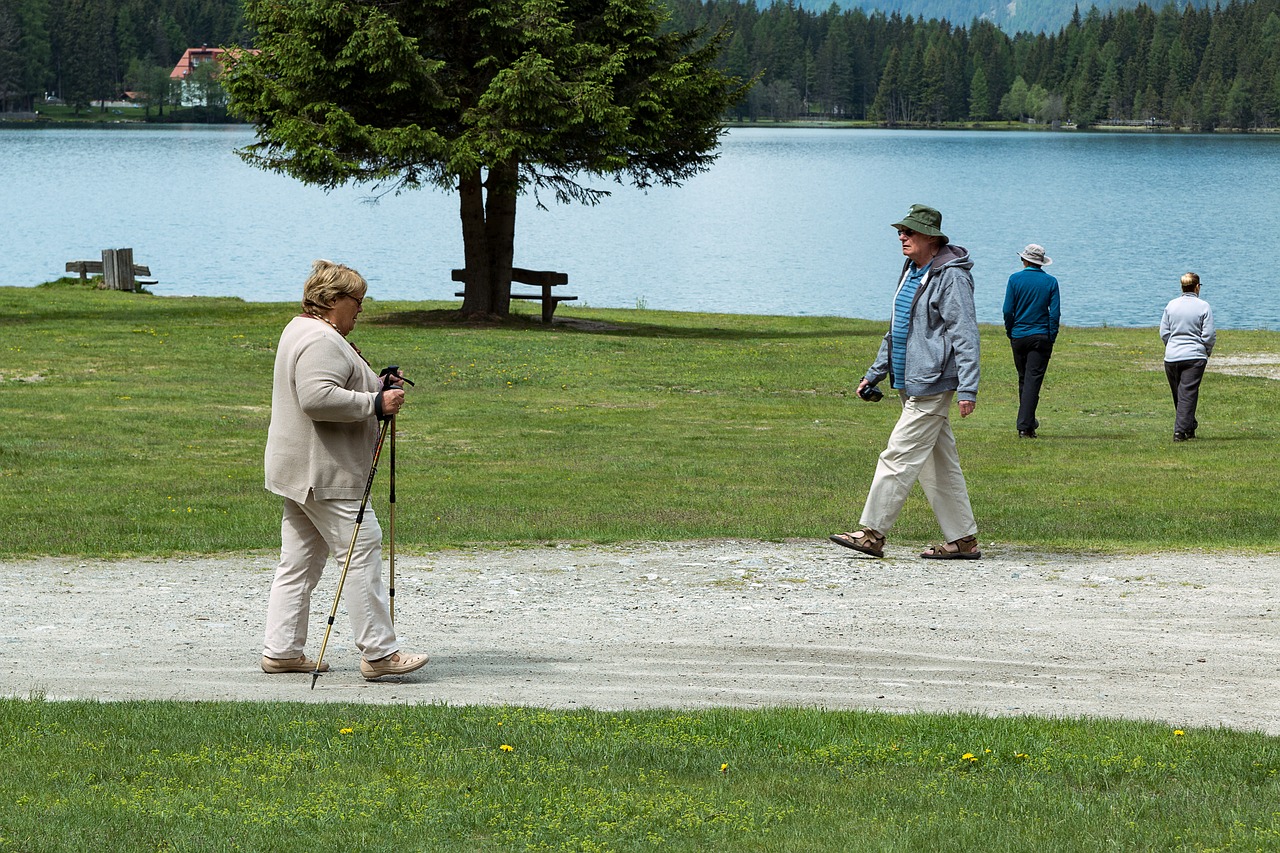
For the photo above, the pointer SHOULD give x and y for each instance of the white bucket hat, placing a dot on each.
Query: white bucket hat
(1034, 254)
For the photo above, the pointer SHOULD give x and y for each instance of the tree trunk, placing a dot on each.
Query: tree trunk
(477, 298)
(500, 231)
(488, 211)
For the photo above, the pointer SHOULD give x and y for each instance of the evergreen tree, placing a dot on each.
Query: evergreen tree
(979, 96)
(11, 88)
(1237, 109)
(889, 105)
(35, 71)
(488, 97)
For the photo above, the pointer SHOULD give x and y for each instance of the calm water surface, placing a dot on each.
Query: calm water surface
(787, 222)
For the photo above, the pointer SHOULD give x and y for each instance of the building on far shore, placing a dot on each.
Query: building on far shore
(197, 73)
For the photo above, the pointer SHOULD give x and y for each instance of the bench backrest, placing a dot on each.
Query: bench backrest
(524, 276)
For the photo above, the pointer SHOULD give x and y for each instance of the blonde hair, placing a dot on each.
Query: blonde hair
(327, 282)
(1190, 281)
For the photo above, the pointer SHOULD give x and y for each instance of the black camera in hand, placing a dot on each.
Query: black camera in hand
(871, 393)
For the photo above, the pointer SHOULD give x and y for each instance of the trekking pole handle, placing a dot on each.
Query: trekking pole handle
(391, 375)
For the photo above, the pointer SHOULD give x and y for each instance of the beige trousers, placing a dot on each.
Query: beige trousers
(309, 533)
(921, 447)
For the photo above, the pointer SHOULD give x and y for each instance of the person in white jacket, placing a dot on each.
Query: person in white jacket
(1188, 334)
(325, 405)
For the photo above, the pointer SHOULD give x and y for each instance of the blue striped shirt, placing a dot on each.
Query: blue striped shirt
(902, 321)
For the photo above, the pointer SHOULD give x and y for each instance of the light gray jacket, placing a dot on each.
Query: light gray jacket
(323, 415)
(1187, 329)
(942, 338)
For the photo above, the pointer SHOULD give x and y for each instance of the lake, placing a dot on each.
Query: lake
(788, 221)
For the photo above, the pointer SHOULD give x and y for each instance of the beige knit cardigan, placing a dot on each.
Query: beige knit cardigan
(323, 417)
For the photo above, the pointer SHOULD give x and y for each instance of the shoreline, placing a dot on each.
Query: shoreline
(446, 305)
(38, 121)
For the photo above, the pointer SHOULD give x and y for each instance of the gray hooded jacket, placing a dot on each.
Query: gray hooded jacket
(942, 338)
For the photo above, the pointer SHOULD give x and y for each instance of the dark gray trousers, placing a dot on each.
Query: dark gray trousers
(1184, 382)
(1031, 358)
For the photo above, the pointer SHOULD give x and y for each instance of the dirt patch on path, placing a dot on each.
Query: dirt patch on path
(1265, 365)
(1184, 639)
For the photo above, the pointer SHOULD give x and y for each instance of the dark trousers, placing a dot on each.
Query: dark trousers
(1031, 357)
(1184, 382)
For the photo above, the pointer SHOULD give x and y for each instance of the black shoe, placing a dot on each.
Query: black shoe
(1191, 433)
(1026, 433)
(1180, 436)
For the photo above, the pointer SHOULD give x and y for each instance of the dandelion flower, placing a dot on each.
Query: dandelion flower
(1178, 733)
(724, 768)
(506, 747)
(345, 731)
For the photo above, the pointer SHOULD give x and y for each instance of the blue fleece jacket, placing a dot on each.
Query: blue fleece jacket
(1031, 304)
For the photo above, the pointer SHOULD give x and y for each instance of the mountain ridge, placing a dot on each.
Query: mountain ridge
(1015, 16)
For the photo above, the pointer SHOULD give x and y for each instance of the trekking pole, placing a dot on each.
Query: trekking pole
(346, 564)
(389, 375)
(391, 553)
(355, 533)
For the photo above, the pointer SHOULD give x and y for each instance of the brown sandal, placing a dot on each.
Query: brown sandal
(866, 540)
(965, 549)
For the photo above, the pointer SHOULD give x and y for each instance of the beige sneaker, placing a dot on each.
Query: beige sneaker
(301, 663)
(393, 664)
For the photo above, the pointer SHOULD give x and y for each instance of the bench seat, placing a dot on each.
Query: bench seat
(546, 279)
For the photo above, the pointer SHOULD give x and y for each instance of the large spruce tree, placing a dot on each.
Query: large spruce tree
(487, 97)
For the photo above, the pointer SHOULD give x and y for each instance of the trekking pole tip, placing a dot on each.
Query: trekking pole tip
(315, 675)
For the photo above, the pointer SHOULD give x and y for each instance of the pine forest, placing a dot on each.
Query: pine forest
(1188, 67)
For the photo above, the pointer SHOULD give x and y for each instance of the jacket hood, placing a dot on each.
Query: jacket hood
(949, 255)
(952, 255)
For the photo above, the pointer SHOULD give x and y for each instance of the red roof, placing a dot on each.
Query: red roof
(193, 56)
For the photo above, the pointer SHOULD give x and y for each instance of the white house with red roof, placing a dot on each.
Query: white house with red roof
(192, 59)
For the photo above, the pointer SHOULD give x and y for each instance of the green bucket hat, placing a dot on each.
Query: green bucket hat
(924, 220)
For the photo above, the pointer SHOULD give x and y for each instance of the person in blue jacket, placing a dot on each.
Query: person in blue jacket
(1031, 313)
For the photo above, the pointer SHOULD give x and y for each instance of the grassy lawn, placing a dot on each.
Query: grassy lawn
(213, 777)
(134, 425)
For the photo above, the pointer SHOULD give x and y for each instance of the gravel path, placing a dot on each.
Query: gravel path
(1180, 638)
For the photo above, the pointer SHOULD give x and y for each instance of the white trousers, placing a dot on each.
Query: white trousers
(309, 533)
(921, 447)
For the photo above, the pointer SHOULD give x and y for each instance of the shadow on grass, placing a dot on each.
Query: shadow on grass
(454, 319)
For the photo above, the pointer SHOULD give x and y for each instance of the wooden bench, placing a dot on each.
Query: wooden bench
(545, 279)
(117, 268)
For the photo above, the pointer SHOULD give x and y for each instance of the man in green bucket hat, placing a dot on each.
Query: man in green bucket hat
(930, 355)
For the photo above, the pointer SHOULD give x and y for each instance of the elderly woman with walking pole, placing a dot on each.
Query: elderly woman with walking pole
(322, 446)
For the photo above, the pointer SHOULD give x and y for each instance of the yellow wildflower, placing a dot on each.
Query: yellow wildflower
(506, 747)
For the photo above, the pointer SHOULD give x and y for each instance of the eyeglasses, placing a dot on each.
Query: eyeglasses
(359, 299)
(906, 232)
